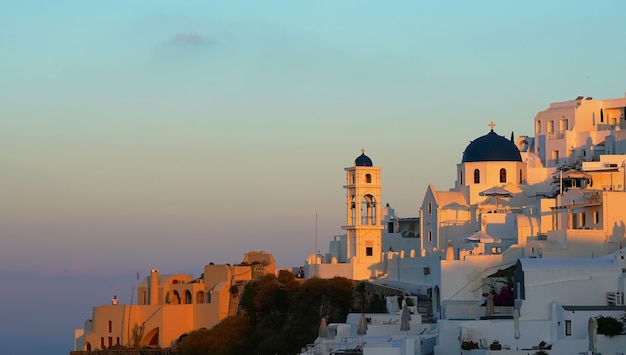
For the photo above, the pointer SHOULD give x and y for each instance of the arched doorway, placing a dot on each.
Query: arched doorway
(152, 338)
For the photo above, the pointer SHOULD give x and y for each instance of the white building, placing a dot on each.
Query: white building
(525, 202)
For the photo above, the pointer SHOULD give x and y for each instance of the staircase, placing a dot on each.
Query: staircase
(425, 309)
(234, 306)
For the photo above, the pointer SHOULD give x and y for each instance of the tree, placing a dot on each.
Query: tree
(609, 326)
(224, 339)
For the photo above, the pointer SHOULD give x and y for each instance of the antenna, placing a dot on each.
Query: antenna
(316, 251)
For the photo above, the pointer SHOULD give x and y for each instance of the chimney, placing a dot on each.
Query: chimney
(154, 286)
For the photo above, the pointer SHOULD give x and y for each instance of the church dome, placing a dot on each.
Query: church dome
(363, 160)
(491, 147)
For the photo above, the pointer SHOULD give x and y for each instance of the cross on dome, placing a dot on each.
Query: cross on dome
(491, 124)
(363, 150)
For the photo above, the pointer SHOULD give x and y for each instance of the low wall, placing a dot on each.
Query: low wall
(169, 351)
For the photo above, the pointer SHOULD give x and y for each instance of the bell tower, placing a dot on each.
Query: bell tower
(363, 225)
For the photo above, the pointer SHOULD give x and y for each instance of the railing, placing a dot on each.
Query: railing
(615, 298)
(556, 135)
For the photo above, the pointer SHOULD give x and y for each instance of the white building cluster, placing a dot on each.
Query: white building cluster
(522, 255)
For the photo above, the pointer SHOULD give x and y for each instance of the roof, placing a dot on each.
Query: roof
(491, 147)
(449, 198)
(363, 160)
(595, 308)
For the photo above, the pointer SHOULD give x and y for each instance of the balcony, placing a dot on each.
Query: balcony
(556, 135)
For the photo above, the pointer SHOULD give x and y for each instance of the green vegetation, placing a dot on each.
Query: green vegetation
(280, 315)
(609, 326)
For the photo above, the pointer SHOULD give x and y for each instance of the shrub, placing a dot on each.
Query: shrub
(609, 326)
(469, 345)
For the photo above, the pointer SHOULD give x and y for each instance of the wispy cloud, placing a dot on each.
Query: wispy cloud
(191, 39)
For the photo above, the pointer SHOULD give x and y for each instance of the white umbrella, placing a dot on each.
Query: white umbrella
(405, 318)
(496, 192)
(362, 328)
(593, 334)
(394, 306)
(481, 237)
(323, 331)
(450, 251)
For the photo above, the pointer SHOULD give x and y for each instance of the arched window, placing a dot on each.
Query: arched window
(503, 175)
(187, 297)
(368, 210)
(368, 178)
(538, 127)
(476, 176)
(353, 210)
(199, 297)
(176, 298)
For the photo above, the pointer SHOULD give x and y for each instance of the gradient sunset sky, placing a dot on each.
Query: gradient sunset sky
(170, 134)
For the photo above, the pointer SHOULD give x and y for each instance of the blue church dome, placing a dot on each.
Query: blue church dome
(491, 147)
(363, 160)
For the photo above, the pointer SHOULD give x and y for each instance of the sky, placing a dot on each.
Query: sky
(170, 134)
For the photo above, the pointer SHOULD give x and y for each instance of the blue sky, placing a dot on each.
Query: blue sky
(171, 134)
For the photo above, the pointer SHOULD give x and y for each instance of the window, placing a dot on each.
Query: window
(430, 236)
(110, 326)
(538, 127)
(110, 341)
(117, 341)
(568, 328)
(390, 227)
(101, 343)
(430, 208)
(368, 178)
(460, 178)
(503, 175)
(550, 126)
(563, 125)
(496, 250)
(601, 115)
(476, 176)
(369, 251)
(596, 217)
(199, 297)
(581, 218)
(555, 157)
(368, 210)
(521, 176)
